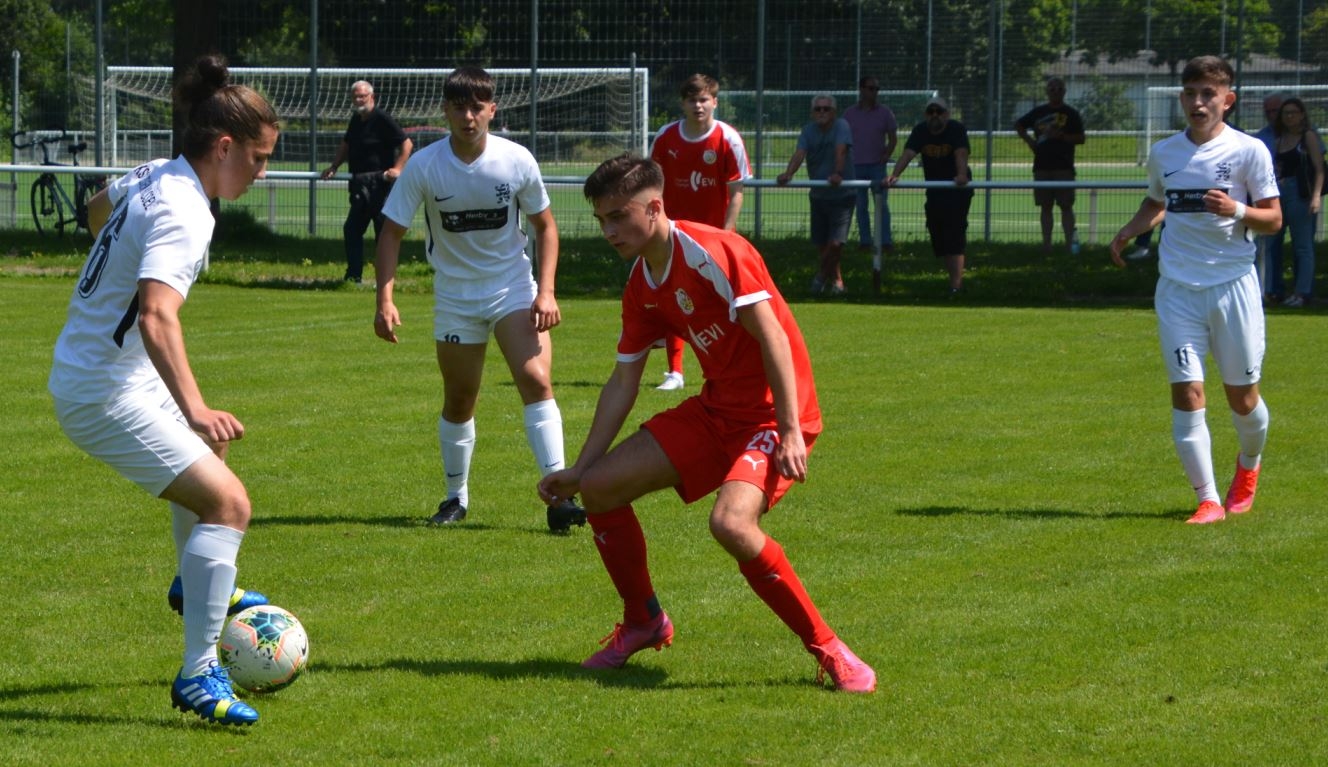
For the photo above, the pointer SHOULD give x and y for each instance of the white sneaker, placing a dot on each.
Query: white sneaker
(672, 381)
(1138, 254)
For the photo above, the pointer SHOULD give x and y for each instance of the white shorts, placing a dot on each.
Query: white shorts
(471, 322)
(141, 434)
(1225, 319)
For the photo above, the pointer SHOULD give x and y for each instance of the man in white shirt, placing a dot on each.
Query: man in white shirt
(1216, 189)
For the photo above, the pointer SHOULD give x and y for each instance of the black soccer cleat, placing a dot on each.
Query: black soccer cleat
(565, 514)
(449, 512)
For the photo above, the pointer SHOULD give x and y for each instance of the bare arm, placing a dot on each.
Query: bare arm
(759, 320)
(735, 206)
(900, 166)
(163, 339)
(1150, 214)
(961, 167)
(386, 256)
(616, 401)
(1315, 151)
(544, 313)
(794, 163)
(343, 149)
(891, 141)
(403, 154)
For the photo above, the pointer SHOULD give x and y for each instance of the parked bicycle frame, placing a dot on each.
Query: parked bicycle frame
(52, 208)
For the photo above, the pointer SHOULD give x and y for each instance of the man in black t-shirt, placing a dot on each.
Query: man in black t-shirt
(943, 145)
(378, 150)
(1056, 129)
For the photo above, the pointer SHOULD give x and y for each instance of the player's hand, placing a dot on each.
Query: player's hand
(1219, 203)
(386, 322)
(791, 456)
(1118, 245)
(559, 486)
(216, 426)
(544, 313)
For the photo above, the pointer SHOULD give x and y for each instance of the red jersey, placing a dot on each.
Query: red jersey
(697, 172)
(711, 274)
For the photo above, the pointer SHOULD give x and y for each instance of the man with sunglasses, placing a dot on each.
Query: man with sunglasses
(825, 143)
(943, 144)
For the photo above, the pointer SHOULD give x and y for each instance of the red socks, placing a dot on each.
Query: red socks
(622, 547)
(772, 578)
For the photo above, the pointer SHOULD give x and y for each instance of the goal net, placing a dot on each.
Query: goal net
(579, 112)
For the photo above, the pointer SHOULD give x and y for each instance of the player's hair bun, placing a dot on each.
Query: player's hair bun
(208, 75)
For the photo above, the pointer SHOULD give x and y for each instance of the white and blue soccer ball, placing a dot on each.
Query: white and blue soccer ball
(264, 648)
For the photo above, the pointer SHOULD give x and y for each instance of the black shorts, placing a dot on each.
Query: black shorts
(947, 220)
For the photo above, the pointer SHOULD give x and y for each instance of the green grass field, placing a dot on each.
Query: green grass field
(994, 521)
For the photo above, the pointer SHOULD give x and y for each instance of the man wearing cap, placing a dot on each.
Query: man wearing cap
(943, 144)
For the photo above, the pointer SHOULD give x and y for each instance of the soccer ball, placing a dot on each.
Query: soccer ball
(264, 648)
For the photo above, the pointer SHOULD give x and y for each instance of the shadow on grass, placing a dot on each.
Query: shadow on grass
(422, 522)
(47, 715)
(533, 668)
(951, 511)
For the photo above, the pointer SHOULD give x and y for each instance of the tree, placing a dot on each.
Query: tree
(45, 41)
(1174, 31)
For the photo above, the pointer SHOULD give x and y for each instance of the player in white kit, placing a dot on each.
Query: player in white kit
(474, 187)
(121, 380)
(1216, 189)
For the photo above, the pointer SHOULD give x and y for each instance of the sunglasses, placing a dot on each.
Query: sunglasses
(821, 109)
(870, 87)
(935, 111)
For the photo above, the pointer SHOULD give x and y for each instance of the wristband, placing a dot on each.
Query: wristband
(1240, 211)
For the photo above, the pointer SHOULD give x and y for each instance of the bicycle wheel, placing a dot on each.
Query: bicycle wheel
(46, 212)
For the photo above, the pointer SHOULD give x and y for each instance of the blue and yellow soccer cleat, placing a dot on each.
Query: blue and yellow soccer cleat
(240, 599)
(211, 697)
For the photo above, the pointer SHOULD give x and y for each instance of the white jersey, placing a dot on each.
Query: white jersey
(159, 229)
(1201, 249)
(472, 213)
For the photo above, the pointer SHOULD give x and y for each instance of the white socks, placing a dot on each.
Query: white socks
(182, 526)
(207, 568)
(1252, 431)
(1189, 431)
(544, 432)
(456, 441)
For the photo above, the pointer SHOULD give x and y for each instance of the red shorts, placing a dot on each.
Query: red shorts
(706, 450)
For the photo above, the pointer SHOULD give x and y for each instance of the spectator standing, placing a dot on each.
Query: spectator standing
(1298, 162)
(1207, 294)
(123, 387)
(747, 435)
(1271, 280)
(875, 135)
(377, 149)
(705, 165)
(825, 143)
(1056, 129)
(474, 186)
(943, 145)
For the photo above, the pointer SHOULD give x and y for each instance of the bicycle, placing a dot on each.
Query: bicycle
(52, 208)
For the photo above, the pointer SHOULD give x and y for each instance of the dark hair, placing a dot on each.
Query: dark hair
(698, 84)
(215, 107)
(1279, 127)
(468, 84)
(623, 176)
(1213, 68)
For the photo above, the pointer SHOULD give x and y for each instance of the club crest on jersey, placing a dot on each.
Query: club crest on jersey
(503, 193)
(684, 301)
(709, 157)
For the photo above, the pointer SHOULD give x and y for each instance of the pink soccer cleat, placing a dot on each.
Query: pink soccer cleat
(846, 670)
(1241, 495)
(627, 640)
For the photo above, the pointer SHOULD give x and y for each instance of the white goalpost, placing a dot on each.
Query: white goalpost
(580, 111)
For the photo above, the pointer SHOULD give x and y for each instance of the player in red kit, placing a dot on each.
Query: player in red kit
(705, 164)
(748, 433)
